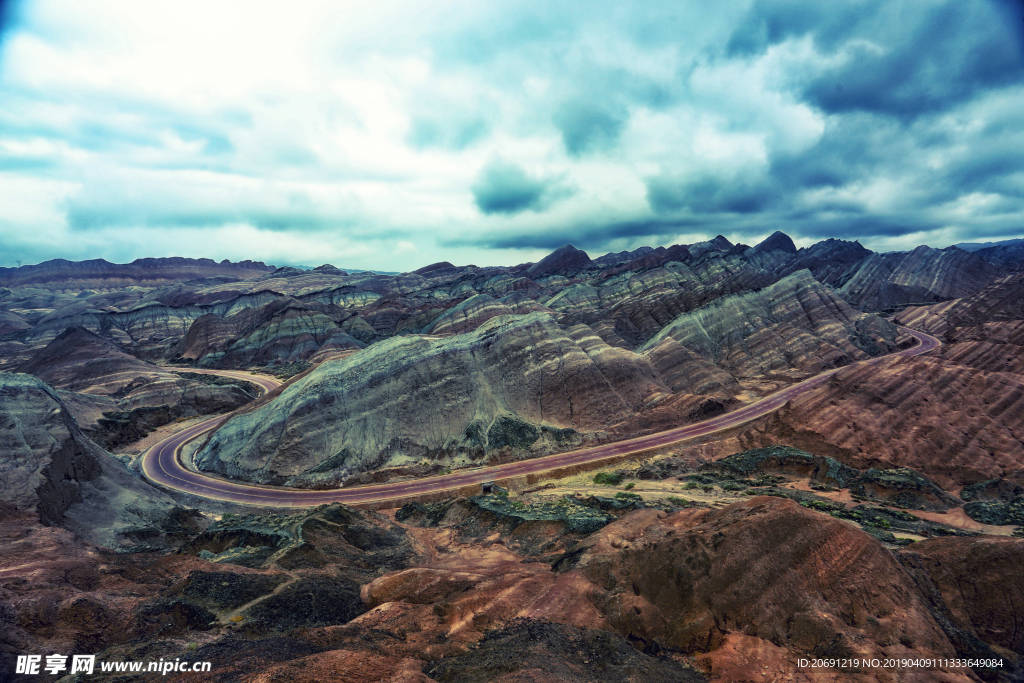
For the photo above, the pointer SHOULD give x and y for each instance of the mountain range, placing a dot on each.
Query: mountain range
(878, 515)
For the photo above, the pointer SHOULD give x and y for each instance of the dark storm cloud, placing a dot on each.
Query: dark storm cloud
(851, 148)
(8, 9)
(710, 195)
(592, 118)
(862, 226)
(504, 188)
(988, 171)
(607, 124)
(901, 60)
(592, 238)
(770, 22)
(204, 202)
(589, 97)
(944, 56)
(86, 218)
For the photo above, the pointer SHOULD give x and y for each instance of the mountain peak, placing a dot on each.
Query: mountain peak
(778, 241)
(565, 257)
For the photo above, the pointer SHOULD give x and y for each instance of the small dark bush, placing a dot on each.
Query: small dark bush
(608, 478)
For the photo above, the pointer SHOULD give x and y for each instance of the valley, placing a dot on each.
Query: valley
(702, 462)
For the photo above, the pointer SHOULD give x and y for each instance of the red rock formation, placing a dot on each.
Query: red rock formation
(980, 589)
(763, 579)
(796, 322)
(1003, 300)
(79, 359)
(956, 424)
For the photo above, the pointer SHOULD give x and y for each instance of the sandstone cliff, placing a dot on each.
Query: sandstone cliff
(756, 583)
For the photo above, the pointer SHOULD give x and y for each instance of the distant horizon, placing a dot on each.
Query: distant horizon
(486, 265)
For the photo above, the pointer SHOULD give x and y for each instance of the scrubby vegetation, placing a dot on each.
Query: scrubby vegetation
(608, 478)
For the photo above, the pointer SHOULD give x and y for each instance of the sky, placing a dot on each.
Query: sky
(389, 134)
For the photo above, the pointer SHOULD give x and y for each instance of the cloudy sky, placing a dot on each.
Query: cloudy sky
(389, 134)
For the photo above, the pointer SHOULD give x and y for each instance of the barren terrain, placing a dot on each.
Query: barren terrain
(876, 515)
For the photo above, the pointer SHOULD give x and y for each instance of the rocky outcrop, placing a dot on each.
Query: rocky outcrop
(975, 589)
(718, 244)
(787, 460)
(12, 322)
(139, 322)
(562, 653)
(51, 468)
(1001, 301)
(208, 334)
(78, 359)
(116, 398)
(612, 259)
(468, 315)
(794, 581)
(414, 398)
(1010, 255)
(831, 262)
(922, 275)
(283, 331)
(543, 529)
(434, 269)
(568, 378)
(456, 591)
(902, 487)
(955, 424)
(796, 323)
(687, 372)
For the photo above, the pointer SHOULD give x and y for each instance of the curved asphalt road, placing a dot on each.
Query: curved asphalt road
(162, 463)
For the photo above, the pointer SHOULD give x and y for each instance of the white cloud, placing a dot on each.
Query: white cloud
(317, 129)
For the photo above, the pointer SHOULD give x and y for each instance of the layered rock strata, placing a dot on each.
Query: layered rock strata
(412, 398)
(795, 322)
(956, 424)
(50, 467)
(116, 397)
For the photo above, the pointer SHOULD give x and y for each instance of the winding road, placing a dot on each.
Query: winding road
(162, 462)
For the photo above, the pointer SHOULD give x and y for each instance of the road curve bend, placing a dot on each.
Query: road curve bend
(162, 462)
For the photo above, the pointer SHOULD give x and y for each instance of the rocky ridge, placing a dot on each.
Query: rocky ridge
(51, 468)
(101, 274)
(570, 379)
(116, 397)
